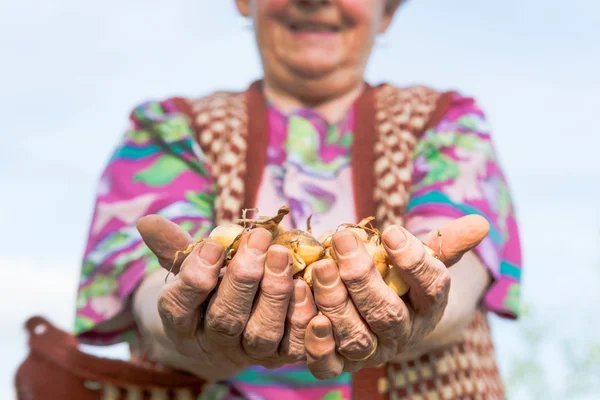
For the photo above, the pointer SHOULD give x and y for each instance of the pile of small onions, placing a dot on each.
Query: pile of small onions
(306, 249)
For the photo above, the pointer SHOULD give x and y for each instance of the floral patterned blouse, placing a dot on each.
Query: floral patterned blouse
(455, 172)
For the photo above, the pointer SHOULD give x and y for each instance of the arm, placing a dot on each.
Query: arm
(155, 200)
(120, 277)
(456, 173)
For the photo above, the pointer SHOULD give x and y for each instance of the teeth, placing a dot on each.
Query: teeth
(313, 28)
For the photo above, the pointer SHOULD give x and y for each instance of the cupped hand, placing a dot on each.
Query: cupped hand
(251, 313)
(364, 323)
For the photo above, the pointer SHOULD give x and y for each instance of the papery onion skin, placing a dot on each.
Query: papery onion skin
(226, 234)
(304, 247)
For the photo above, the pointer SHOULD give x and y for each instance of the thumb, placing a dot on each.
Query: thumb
(165, 239)
(455, 238)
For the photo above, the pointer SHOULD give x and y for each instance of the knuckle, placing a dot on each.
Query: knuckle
(440, 285)
(172, 310)
(275, 296)
(445, 280)
(224, 324)
(293, 349)
(261, 342)
(427, 274)
(386, 317)
(359, 276)
(196, 280)
(164, 302)
(298, 321)
(358, 343)
(334, 306)
(436, 293)
(240, 293)
(413, 258)
(419, 263)
(245, 273)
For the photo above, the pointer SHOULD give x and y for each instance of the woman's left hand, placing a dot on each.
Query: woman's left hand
(364, 323)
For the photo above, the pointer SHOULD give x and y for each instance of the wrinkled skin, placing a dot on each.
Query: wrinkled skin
(255, 314)
(360, 310)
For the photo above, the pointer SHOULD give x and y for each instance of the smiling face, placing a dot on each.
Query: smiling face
(318, 44)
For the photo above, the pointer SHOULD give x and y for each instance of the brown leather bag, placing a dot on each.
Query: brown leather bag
(56, 368)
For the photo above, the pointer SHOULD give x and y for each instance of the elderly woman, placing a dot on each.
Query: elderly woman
(311, 134)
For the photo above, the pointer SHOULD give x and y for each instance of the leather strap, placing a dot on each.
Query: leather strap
(362, 154)
(56, 368)
(258, 140)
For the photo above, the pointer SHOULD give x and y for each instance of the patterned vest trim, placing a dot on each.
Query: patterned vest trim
(231, 130)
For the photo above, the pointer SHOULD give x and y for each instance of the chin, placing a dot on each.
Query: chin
(314, 68)
(312, 72)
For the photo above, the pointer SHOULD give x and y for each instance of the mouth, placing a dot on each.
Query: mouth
(312, 27)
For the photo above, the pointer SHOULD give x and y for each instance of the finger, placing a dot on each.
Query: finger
(230, 307)
(383, 310)
(427, 277)
(265, 326)
(164, 238)
(355, 340)
(181, 297)
(300, 312)
(321, 358)
(455, 238)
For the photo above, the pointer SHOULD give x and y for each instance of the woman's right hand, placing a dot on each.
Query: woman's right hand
(256, 314)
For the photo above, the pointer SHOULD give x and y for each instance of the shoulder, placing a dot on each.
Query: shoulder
(455, 112)
(464, 111)
(427, 107)
(459, 130)
(449, 118)
(444, 105)
(156, 111)
(179, 117)
(462, 119)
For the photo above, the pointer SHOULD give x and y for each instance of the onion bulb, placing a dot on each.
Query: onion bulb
(304, 247)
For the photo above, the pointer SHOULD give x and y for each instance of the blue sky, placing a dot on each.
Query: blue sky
(71, 72)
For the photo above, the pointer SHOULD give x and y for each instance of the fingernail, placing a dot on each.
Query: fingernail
(299, 292)
(210, 253)
(259, 241)
(322, 330)
(394, 238)
(326, 274)
(277, 261)
(345, 243)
